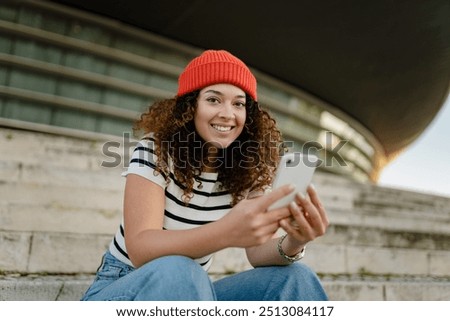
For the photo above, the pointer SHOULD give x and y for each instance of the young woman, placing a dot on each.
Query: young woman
(198, 183)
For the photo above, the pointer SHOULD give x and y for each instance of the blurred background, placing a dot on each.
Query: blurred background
(365, 84)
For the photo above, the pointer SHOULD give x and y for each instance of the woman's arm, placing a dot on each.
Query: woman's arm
(267, 254)
(246, 225)
(144, 204)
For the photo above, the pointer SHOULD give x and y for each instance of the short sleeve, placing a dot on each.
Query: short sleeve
(143, 162)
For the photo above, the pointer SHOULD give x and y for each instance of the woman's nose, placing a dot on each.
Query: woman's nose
(226, 111)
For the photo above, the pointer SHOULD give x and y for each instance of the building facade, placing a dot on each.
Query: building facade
(71, 72)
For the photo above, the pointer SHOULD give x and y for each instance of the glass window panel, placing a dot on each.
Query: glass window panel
(32, 81)
(7, 13)
(74, 119)
(124, 100)
(5, 45)
(85, 62)
(122, 71)
(27, 111)
(134, 46)
(4, 76)
(33, 50)
(24, 48)
(81, 91)
(172, 58)
(274, 93)
(29, 17)
(163, 82)
(83, 31)
(114, 126)
(54, 24)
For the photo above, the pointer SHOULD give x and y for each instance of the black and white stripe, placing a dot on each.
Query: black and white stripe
(208, 204)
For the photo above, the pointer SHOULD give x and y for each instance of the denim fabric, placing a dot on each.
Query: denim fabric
(178, 278)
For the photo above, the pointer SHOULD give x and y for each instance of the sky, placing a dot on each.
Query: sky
(425, 165)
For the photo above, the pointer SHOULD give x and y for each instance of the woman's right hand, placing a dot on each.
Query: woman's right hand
(249, 223)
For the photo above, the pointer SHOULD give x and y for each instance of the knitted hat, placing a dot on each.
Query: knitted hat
(214, 67)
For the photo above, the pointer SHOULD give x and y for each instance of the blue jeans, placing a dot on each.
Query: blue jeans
(173, 278)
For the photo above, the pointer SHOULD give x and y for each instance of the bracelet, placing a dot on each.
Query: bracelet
(293, 258)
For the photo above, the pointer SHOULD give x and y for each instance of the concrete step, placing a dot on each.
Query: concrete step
(357, 288)
(58, 218)
(53, 253)
(60, 252)
(60, 196)
(338, 288)
(43, 288)
(354, 203)
(59, 204)
(60, 175)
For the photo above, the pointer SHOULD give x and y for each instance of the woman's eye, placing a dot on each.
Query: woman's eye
(240, 104)
(212, 99)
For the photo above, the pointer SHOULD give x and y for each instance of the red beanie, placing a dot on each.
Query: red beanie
(214, 67)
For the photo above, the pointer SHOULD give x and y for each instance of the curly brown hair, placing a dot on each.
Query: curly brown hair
(248, 164)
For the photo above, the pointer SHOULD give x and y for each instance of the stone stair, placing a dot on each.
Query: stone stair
(59, 209)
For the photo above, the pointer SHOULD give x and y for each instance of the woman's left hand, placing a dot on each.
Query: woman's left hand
(308, 219)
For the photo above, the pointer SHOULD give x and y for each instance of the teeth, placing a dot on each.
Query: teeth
(222, 128)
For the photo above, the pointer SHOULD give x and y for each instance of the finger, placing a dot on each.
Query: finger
(306, 230)
(312, 213)
(271, 229)
(298, 214)
(316, 201)
(300, 233)
(276, 215)
(305, 203)
(301, 220)
(286, 225)
(315, 197)
(278, 193)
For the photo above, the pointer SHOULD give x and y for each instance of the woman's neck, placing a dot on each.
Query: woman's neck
(211, 164)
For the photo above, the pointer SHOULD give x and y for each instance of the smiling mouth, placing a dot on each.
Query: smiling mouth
(222, 128)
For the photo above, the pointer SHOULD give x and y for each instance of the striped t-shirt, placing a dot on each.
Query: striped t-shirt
(208, 204)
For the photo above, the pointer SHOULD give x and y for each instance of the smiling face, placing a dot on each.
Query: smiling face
(220, 115)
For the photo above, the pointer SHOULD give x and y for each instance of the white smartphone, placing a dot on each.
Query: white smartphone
(294, 168)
